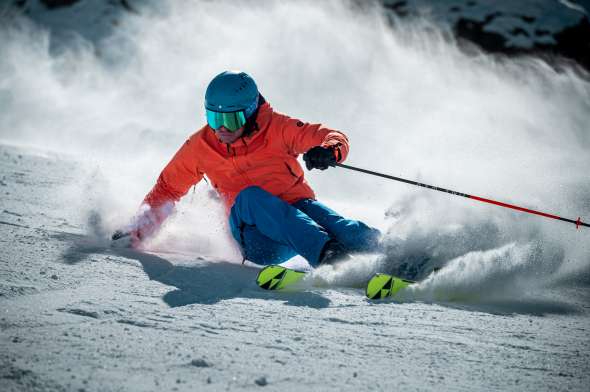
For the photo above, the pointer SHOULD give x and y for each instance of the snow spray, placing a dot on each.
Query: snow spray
(411, 102)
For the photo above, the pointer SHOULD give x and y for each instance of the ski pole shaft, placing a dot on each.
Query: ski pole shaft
(577, 222)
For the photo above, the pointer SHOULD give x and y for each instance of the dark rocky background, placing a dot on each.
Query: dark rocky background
(558, 31)
(551, 29)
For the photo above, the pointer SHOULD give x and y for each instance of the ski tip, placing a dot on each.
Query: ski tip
(276, 277)
(382, 286)
(266, 276)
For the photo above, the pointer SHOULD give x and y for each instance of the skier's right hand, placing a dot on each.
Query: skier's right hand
(320, 158)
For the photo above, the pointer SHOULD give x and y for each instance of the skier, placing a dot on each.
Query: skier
(249, 153)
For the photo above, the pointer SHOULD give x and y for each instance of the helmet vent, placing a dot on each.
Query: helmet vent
(241, 87)
(232, 91)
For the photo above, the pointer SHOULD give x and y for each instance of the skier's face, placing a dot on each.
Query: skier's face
(226, 136)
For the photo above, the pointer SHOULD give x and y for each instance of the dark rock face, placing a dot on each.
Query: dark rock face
(571, 43)
(473, 31)
(20, 3)
(574, 43)
(52, 4)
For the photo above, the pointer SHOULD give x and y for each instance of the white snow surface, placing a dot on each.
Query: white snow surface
(79, 314)
(85, 130)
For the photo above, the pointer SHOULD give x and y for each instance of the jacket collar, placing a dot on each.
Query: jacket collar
(263, 118)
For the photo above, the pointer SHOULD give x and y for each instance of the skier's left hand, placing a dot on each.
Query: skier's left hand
(143, 226)
(320, 158)
(125, 239)
(117, 235)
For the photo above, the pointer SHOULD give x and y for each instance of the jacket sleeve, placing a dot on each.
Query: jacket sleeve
(178, 176)
(173, 183)
(299, 137)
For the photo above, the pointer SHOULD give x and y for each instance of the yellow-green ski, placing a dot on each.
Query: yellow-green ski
(386, 286)
(275, 277)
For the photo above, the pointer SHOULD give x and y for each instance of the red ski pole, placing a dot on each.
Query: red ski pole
(577, 222)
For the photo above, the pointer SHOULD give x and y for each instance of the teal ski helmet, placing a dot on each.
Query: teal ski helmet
(231, 98)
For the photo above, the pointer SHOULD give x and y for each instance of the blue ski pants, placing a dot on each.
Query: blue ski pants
(271, 231)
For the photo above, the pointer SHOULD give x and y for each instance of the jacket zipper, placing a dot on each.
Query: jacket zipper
(232, 155)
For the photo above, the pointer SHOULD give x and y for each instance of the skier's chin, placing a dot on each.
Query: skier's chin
(227, 139)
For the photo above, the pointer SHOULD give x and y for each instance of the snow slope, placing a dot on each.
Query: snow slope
(85, 129)
(80, 315)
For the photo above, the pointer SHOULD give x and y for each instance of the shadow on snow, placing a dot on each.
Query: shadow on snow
(208, 282)
(203, 283)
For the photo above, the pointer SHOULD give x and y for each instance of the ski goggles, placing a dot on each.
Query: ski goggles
(232, 121)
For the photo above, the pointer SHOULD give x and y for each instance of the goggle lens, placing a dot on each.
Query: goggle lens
(232, 120)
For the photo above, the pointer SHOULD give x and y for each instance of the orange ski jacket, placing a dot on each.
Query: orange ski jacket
(267, 158)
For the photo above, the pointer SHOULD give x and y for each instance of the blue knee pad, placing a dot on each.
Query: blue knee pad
(271, 231)
(354, 235)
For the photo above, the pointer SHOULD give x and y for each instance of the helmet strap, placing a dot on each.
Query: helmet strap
(251, 123)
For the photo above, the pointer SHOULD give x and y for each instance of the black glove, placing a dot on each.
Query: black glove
(319, 158)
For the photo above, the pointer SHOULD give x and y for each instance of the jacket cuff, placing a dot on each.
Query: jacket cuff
(337, 152)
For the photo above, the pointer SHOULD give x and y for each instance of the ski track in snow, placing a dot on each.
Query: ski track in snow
(79, 315)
